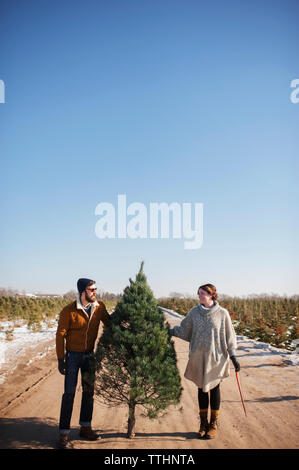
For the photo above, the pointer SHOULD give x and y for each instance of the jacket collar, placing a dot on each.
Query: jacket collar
(80, 306)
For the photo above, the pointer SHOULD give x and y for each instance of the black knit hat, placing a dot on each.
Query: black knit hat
(83, 283)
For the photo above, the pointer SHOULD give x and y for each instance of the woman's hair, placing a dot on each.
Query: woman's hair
(210, 289)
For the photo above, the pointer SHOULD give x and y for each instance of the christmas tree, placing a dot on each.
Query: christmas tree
(135, 357)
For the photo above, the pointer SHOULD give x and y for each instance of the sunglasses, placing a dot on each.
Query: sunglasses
(92, 290)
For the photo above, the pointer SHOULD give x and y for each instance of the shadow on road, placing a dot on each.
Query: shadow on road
(29, 433)
(26, 433)
(268, 399)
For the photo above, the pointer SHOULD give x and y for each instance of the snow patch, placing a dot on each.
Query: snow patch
(22, 340)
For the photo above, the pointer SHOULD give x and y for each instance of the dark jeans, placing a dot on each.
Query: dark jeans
(74, 362)
(203, 398)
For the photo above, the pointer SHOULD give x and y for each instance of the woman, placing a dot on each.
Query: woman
(212, 338)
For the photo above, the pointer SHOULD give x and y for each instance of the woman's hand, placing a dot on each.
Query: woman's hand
(235, 363)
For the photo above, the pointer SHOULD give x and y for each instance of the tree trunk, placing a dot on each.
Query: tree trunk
(131, 421)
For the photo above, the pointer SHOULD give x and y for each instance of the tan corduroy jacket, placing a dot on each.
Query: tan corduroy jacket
(75, 330)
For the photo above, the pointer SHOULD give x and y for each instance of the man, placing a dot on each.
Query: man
(76, 334)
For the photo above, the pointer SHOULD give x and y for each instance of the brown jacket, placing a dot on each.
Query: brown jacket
(75, 330)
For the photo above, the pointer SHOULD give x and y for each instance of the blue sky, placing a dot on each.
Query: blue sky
(164, 101)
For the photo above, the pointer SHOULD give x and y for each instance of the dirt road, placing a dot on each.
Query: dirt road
(31, 396)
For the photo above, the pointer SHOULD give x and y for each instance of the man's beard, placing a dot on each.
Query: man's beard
(88, 298)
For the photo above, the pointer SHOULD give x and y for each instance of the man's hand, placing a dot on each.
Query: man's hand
(62, 366)
(236, 363)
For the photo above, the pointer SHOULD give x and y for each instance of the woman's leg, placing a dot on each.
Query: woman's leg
(215, 398)
(203, 402)
(203, 399)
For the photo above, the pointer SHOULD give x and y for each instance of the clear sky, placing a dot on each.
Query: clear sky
(163, 101)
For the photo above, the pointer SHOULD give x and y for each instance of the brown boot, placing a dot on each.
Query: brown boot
(63, 442)
(87, 433)
(214, 423)
(204, 425)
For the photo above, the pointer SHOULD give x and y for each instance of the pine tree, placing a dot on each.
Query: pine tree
(136, 360)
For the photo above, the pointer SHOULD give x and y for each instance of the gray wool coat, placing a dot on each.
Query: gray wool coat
(212, 341)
